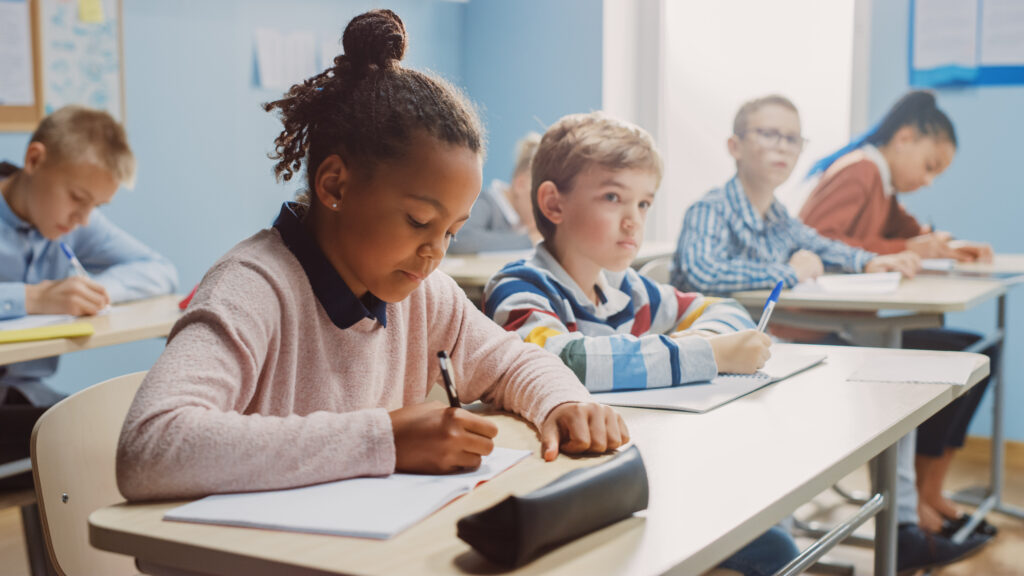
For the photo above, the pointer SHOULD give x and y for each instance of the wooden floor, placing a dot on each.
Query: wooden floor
(1004, 556)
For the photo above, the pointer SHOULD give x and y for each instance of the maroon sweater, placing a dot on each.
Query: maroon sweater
(850, 204)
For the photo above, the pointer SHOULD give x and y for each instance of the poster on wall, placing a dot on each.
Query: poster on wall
(82, 60)
(966, 42)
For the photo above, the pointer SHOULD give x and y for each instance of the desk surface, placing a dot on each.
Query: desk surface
(1003, 264)
(922, 294)
(717, 480)
(474, 270)
(149, 318)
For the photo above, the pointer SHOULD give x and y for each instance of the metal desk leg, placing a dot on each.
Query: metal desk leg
(990, 498)
(886, 522)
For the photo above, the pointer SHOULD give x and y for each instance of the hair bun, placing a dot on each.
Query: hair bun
(376, 38)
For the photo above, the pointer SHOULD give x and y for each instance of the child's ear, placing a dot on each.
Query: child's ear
(332, 177)
(35, 155)
(733, 144)
(549, 200)
(905, 135)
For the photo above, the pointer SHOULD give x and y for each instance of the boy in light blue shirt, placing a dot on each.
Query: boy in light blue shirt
(75, 161)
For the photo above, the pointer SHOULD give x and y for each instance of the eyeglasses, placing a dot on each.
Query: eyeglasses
(774, 138)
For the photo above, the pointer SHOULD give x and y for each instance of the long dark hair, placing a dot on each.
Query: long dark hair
(917, 109)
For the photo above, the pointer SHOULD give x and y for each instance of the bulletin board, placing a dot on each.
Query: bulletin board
(77, 58)
(966, 42)
(21, 102)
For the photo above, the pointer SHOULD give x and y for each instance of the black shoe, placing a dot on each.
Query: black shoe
(951, 527)
(919, 550)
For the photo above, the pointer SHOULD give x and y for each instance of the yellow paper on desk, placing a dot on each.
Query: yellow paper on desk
(72, 330)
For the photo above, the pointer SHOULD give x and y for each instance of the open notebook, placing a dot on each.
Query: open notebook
(363, 507)
(704, 396)
(873, 283)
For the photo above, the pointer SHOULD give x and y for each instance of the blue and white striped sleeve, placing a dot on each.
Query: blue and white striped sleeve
(601, 362)
(705, 261)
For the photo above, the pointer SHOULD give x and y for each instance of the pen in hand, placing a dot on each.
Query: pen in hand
(75, 264)
(449, 379)
(769, 306)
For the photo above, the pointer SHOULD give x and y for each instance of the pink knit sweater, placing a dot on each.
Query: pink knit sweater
(258, 389)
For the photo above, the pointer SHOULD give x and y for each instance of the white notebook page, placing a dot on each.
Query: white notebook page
(364, 507)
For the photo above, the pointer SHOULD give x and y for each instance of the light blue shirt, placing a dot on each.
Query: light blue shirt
(126, 268)
(725, 246)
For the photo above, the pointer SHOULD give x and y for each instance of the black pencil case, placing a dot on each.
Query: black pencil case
(520, 528)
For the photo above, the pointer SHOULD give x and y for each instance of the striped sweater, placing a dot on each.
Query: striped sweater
(621, 343)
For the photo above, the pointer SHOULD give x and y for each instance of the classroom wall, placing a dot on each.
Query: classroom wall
(527, 63)
(194, 119)
(978, 197)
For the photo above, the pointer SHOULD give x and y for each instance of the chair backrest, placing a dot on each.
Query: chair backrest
(74, 445)
(658, 269)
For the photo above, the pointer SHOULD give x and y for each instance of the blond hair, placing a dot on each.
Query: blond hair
(79, 134)
(579, 141)
(525, 150)
(739, 123)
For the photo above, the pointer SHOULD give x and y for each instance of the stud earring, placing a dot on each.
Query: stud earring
(335, 205)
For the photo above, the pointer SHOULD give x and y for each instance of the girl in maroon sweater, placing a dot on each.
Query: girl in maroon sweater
(855, 202)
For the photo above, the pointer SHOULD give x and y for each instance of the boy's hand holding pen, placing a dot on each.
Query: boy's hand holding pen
(78, 294)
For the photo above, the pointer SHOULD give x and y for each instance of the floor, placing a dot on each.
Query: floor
(1003, 556)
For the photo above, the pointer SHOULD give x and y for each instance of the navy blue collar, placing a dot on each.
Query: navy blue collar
(341, 305)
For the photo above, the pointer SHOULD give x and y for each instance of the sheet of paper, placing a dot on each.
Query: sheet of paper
(90, 11)
(938, 264)
(924, 368)
(16, 88)
(36, 320)
(876, 283)
(1002, 33)
(945, 33)
(284, 59)
(362, 507)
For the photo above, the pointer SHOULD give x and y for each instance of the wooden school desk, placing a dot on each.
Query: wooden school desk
(472, 271)
(918, 303)
(139, 320)
(717, 480)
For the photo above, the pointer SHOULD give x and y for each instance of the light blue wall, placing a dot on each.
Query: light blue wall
(978, 197)
(528, 63)
(194, 119)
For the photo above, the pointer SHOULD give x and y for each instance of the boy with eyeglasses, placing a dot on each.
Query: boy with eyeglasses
(740, 237)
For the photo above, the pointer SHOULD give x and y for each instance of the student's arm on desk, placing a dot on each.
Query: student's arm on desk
(833, 253)
(186, 434)
(126, 267)
(501, 370)
(704, 256)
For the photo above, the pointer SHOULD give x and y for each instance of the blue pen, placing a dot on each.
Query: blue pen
(769, 305)
(75, 264)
